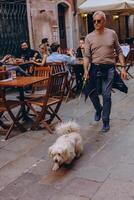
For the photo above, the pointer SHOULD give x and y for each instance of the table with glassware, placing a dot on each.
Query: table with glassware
(21, 83)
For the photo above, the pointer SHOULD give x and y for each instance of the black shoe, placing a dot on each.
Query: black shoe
(98, 115)
(105, 127)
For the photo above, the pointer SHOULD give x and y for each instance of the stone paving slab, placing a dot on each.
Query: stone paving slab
(68, 197)
(82, 187)
(123, 172)
(58, 179)
(15, 189)
(38, 192)
(93, 173)
(22, 144)
(115, 190)
(14, 169)
(7, 156)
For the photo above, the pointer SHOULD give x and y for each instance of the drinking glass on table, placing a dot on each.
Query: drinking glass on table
(13, 74)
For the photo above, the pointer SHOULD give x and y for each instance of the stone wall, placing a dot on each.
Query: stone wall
(43, 21)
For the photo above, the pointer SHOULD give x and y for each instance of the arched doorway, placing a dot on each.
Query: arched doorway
(62, 8)
(90, 23)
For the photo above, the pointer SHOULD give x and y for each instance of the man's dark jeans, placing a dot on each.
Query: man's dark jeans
(106, 94)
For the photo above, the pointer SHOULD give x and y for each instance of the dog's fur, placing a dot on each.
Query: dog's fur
(67, 146)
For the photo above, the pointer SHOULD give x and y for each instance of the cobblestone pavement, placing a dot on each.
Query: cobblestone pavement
(105, 171)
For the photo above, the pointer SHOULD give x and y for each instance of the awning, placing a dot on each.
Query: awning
(105, 5)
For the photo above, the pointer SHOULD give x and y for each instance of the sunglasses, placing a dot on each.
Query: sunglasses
(98, 21)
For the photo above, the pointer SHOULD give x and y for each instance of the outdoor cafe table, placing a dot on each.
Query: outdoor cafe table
(21, 83)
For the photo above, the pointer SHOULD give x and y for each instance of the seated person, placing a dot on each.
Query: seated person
(10, 63)
(26, 54)
(79, 71)
(44, 54)
(46, 42)
(80, 50)
(56, 56)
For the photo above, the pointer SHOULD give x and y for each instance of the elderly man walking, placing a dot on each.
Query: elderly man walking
(99, 64)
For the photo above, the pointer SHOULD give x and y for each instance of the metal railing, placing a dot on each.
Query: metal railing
(13, 25)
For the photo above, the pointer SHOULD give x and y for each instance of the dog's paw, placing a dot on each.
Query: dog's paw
(55, 167)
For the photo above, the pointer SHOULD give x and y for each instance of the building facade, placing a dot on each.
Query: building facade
(32, 20)
(53, 19)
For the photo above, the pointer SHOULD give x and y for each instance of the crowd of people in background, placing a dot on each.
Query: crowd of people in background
(27, 57)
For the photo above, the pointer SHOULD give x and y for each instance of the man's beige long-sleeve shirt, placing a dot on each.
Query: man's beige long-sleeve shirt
(101, 48)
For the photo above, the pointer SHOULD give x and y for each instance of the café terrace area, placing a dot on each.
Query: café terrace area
(41, 92)
(36, 95)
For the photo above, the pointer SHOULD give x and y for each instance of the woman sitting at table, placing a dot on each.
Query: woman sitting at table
(44, 54)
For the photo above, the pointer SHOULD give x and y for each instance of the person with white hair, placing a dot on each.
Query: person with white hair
(99, 66)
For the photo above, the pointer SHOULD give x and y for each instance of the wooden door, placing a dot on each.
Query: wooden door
(62, 26)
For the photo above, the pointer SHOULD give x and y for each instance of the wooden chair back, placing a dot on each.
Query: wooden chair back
(130, 57)
(57, 67)
(41, 71)
(57, 84)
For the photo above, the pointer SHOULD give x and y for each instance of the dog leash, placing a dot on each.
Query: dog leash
(79, 98)
(80, 95)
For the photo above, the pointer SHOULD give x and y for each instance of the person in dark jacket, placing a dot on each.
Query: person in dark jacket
(78, 70)
(26, 54)
(80, 50)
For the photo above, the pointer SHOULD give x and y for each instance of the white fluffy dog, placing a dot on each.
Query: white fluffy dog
(68, 146)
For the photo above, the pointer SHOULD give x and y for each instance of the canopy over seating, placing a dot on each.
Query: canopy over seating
(105, 5)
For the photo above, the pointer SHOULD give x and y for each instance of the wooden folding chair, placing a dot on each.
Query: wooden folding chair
(7, 106)
(62, 67)
(128, 65)
(39, 88)
(57, 67)
(70, 84)
(50, 103)
(130, 62)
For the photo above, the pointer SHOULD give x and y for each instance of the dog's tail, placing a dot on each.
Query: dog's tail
(67, 127)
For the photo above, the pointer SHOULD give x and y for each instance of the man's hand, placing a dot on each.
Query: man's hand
(6, 57)
(123, 74)
(86, 67)
(86, 75)
(70, 52)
